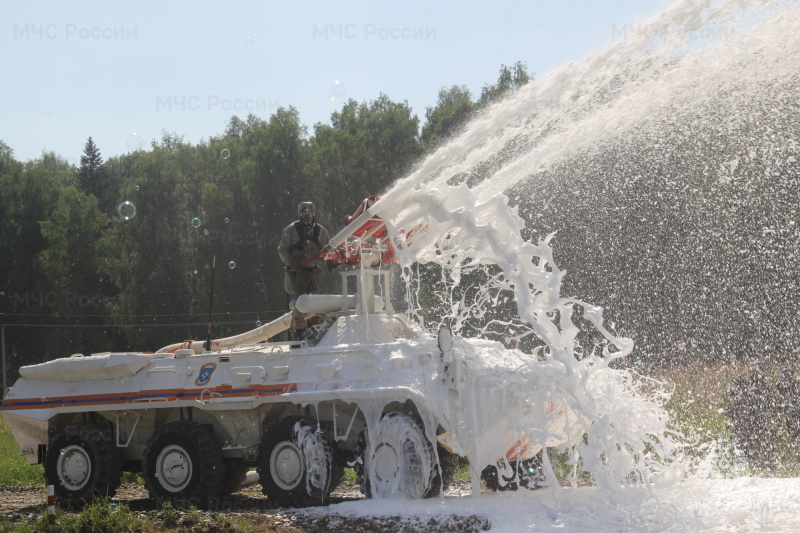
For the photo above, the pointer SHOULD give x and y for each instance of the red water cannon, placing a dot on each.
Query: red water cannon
(372, 238)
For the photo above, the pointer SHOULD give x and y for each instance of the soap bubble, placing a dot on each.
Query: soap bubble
(227, 220)
(336, 364)
(135, 142)
(258, 323)
(336, 91)
(205, 232)
(248, 41)
(232, 265)
(196, 222)
(225, 153)
(126, 210)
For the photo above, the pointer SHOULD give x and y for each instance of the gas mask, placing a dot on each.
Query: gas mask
(307, 218)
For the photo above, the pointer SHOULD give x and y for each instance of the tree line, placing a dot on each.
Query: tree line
(117, 254)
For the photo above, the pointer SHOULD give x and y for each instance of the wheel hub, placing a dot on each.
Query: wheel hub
(387, 464)
(286, 465)
(174, 468)
(74, 467)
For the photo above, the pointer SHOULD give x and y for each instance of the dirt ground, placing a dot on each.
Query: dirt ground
(27, 503)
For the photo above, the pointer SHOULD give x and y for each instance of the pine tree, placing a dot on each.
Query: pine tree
(93, 177)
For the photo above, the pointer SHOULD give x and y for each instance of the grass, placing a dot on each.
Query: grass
(132, 478)
(698, 408)
(349, 475)
(15, 470)
(103, 516)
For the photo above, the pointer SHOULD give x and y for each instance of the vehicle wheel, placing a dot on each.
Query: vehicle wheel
(525, 474)
(234, 476)
(358, 466)
(82, 463)
(295, 463)
(337, 475)
(531, 473)
(448, 465)
(401, 462)
(491, 476)
(183, 463)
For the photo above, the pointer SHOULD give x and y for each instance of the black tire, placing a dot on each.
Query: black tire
(295, 464)
(337, 474)
(531, 473)
(183, 464)
(448, 466)
(491, 476)
(401, 463)
(525, 474)
(358, 466)
(83, 463)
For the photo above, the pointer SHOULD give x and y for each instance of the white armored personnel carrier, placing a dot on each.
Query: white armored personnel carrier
(366, 388)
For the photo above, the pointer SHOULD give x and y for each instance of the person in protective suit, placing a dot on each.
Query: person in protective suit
(300, 242)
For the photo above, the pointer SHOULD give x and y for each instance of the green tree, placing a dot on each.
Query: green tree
(150, 257)
(509, 80)
(28, 194)
(366, 148)
(453, 109)
(273, 184)
(11, 224)
(68, 266)
(5, 152)
(68, 259)
(93, 177)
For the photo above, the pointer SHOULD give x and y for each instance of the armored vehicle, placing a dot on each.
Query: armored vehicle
(365, 388)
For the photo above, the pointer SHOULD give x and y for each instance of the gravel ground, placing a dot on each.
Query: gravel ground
(27, 503)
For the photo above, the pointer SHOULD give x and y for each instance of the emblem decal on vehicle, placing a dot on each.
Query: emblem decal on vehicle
(205, 374)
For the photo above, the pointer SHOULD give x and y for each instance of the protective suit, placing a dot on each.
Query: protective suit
(300, 242)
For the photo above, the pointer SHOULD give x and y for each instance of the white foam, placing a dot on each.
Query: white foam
(470, 226)
(741, 505)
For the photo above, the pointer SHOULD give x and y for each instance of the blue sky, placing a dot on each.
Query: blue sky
(123, 72)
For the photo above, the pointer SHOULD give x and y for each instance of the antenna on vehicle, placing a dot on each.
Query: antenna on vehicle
(211, 302)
